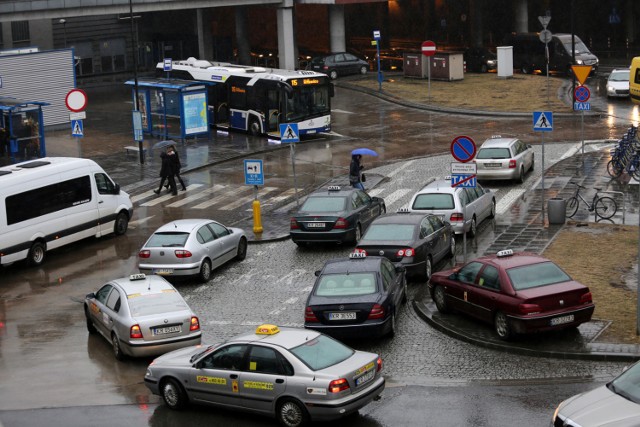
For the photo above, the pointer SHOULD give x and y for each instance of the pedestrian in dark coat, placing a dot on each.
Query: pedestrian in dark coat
(176, 166)
(167, 172)
(355, 172)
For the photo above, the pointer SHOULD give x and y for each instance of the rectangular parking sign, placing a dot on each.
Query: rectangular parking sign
(253, 172)
(468, 181)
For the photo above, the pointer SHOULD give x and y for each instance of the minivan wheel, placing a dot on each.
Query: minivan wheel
(121, 225)
(473, 230)
(37, 254)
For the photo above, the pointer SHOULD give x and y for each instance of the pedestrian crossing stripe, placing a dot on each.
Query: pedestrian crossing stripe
(543, 121)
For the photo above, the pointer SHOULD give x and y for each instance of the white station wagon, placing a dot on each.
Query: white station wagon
(504, 158)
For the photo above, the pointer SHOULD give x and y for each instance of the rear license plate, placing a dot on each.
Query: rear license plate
(161, 271)
(561, 320)
(493, 165)
(167, 330)
(315, 224)
(366, 377)
(351, 315)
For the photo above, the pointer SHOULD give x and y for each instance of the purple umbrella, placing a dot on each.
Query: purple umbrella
(364, 152)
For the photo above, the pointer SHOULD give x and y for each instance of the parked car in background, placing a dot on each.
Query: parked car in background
(504, 158)
(359, 296)
(338, 64)
(297, 376)
(516, 292)
(618, 83)
(463, 208)
(480, 59)
(191, 247)
(414, 241)
(141, 316)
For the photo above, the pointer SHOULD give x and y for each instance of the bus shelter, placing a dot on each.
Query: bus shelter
(172, 108)
(21, 130)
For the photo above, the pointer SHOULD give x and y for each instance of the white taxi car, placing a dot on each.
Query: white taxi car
(297, 375)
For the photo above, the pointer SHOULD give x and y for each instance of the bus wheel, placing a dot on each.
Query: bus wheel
(254, 127)
(36, 254)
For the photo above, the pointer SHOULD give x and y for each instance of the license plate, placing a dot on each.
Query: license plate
(167, 330)
(161, 271)
(351, 315)
(315, 225)
(366, 377)
(561, 320)
(493, 165)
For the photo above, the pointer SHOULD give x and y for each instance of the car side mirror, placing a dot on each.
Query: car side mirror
(453, 276)
(91, 295)
(529, 146)
(117, 189)
(317, 273)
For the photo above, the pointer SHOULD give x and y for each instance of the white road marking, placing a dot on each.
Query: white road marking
(333, 110)
(503, 205)
(401, 168)
(396, 195)
(134, 224)
(375, 192)
(234, 192)
(241, 201)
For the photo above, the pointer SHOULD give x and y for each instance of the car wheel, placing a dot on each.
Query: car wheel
(473, 230)
(405, 296)
(254, 127)
(452, 246)
(242, 249)
(502, 326)
(37, 254)
(291, 413)
(492, 214)
(90, 327)
(428, 267)
(392, 329)
(121, 225)
(484, 68)
(364, 70)
(533, 163)
(173, 394)
(358, 233)
(440, 299)
(333, 74)
(205, 271)
(525, 69)
(117, 350)
(521, 175)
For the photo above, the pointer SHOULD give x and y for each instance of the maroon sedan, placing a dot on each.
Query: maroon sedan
(517, 292)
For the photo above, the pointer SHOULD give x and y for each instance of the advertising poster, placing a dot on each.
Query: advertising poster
(195, 113)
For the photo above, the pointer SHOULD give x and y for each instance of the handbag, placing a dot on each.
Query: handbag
(363, 178)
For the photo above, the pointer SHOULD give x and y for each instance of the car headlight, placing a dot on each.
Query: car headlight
(579, 61)
(148, 373)
(610, 89)
(491, 62)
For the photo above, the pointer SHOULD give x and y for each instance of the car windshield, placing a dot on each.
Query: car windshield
(322, 352)
(353, 284)
(619, 76)
(493, 153)
(534, 275)
(166, 240)
(433, 201)
(580, 47)
(324, 204)
(166, 302)
(627, 384)
(390, 232)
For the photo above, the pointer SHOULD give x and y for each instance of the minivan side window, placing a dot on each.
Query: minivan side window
(104, 184)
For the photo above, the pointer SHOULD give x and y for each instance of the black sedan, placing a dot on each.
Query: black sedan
(335, 215)
(416, 242)
(356, 297)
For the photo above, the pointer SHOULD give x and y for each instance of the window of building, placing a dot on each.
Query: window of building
(20, 33)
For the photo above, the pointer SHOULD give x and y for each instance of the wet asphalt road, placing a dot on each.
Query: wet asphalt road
(48, 360)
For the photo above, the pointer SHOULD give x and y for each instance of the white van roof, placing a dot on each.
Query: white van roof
(30, 169)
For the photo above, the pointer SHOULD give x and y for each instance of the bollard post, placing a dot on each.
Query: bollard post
(257, 221)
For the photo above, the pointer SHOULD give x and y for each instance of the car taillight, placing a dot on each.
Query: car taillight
(377, 312)
(336, 386)
(529, 308)
(379, 364)
(408, 252)
(512, 164)
(359, 251)
(586, 298)
(341, 223)
(325, 67)
(456, 217)
(135, 332)
(183, 254)
(144, 254)
(195, 324)
(294, 224)
(309, 316)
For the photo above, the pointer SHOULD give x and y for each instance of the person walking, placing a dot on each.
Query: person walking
(167, 172)
(175, 159)
(355, 172)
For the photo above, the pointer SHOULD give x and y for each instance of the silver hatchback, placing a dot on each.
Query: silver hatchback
(191, 247)
(504, 158)
(141, 316)
(463, 208)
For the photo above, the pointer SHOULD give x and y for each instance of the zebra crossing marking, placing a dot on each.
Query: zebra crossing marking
(241, 201)
(235, 192)
(197, 196)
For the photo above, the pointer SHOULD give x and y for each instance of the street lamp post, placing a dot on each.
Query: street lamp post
(64, 30)
(134, 52)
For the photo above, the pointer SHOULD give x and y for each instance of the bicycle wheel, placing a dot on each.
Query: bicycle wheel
(614, 168)
(606, 207)
(572, 207)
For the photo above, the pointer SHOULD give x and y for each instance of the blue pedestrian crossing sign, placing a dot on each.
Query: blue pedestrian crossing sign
(543, 121)
(289, 132)
(76, 128)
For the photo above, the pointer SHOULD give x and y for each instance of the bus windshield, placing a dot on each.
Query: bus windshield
(308, 102)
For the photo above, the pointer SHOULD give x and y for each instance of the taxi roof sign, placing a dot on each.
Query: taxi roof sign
(581, 72)
(505, 253)
(139, 276)
(267, 330)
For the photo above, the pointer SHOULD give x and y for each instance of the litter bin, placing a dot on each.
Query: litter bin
(557, 210)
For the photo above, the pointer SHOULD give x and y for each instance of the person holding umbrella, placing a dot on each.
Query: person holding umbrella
(356, 177)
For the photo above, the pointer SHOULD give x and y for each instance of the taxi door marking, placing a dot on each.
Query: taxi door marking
(234, 386)
(260, 385)
(465, 295)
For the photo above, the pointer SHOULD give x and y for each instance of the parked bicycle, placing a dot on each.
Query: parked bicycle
(604, 206)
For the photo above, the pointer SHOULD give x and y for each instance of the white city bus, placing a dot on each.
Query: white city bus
(256, 99)
(54, 201)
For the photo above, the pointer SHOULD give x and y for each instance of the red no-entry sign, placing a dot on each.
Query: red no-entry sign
(428, 48)
(76, 100)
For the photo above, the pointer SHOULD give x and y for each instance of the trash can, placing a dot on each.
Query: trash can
(557, 210)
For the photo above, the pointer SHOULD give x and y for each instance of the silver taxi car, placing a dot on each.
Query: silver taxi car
(292, 374)
(141, 316)
(504, 158)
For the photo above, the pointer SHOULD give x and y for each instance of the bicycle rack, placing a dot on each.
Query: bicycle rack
(624, 210)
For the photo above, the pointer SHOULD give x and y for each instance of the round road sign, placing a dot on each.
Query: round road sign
(545, 36)
(582, 93)
(463, 149)
(76, 100)
(428, 48)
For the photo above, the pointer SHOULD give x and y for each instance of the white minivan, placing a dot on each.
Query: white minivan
(53, 201)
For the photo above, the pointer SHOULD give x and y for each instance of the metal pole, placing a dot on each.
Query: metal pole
(134, 52)
(295, 179)
(542, 172)
(429, 78)
(638, 284)
(464, 233)
(582, 133)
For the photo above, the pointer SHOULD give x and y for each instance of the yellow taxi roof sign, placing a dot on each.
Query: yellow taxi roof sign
(581, 72)
(267, 330)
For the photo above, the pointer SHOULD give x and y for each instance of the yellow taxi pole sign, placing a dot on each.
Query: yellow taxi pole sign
(581, 72)
(374, 42)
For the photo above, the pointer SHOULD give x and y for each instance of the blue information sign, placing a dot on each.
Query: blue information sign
(253, 172)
